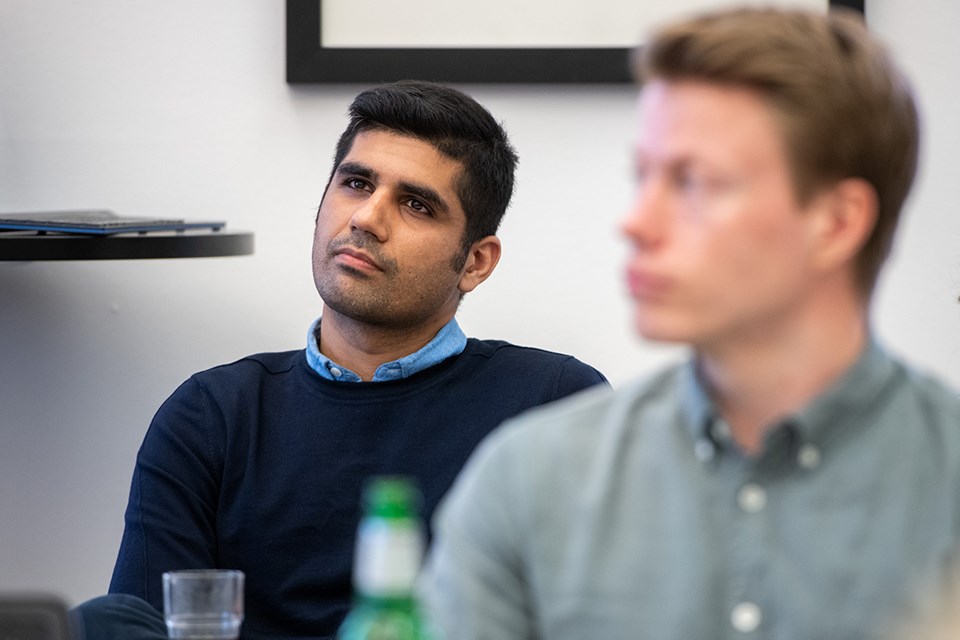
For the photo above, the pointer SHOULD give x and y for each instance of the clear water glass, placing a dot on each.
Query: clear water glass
(204, 604)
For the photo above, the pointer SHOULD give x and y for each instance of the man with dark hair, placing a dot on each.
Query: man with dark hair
(792, 479)
(459, 128)
(258, 465)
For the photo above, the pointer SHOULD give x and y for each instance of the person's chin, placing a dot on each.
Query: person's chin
(659, 329)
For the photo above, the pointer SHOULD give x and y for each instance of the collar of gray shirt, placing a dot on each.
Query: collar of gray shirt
(820, 420)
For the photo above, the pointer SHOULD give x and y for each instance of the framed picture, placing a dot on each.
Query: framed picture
(494, 41)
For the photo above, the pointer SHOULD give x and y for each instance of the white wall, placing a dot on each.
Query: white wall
(180, 108)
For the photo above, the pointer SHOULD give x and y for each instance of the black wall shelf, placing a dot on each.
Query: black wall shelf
(31, 246)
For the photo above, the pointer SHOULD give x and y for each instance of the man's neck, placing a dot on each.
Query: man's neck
(756, 380)
(362, 348)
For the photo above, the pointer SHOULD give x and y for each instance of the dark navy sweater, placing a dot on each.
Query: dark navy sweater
(258, 465)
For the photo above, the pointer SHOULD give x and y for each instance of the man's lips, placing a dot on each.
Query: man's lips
(643, 284)
(357, 259)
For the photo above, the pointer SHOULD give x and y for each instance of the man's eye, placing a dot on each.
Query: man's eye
(690, 182)
(640, 174)
(356, 184)
(418, 206)
(695, 182)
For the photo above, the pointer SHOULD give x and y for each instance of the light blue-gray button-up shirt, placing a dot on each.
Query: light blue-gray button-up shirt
(448, 342)
(632, 514)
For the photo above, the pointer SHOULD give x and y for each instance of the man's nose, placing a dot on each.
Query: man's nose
(645, 223)
(372, 216)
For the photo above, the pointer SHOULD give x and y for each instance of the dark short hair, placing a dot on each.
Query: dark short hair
(457, 126)
(847, 110)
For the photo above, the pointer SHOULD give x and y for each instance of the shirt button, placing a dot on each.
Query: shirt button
(808, 457)
(745, 617)
(720, 431)
(703, 450)
(752, 498)
(336, 373)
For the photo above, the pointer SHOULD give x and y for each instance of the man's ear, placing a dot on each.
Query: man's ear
(481, 261)
(846, 215)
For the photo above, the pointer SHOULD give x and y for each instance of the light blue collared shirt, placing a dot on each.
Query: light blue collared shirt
(611, 512)
(449, 341)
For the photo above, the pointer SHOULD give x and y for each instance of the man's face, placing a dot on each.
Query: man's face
(720, 246)
(388, 230)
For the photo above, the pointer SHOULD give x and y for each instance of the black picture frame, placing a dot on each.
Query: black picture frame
(309, 62)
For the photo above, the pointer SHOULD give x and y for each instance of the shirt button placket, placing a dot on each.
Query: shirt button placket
(745, 615)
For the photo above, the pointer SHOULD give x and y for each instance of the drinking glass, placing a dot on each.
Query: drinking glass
(203, 604)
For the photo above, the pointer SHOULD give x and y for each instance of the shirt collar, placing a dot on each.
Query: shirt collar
(861, 385)
(825, 414)
(448, 342)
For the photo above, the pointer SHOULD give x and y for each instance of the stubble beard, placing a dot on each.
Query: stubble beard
(382, 300)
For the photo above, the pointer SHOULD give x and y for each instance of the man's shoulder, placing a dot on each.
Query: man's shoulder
(930, 393)
(502, 348)
(509, 354)
(585, 435)
(641, 403)
(254, 366)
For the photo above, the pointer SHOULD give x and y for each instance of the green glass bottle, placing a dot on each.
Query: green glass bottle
(390, 546)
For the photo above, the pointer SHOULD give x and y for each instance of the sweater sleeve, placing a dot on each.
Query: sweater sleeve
(170, 521)
(473, 584)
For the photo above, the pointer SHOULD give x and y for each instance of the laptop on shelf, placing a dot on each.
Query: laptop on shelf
(99, 222)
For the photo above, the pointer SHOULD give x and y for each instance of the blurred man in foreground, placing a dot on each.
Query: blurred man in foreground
(793, 480)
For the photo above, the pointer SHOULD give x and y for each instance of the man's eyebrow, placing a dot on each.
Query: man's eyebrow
(356, 169)
(428, 195)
